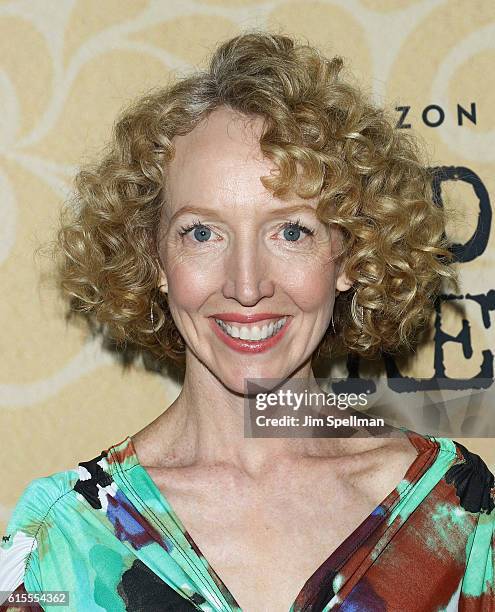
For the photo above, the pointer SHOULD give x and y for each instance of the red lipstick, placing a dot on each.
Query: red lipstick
(234, 317)
(250, 346)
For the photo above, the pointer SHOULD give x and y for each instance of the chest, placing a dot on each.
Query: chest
(265, 560)
(265, 544)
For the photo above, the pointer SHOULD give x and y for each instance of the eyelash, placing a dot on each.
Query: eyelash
(185, 229)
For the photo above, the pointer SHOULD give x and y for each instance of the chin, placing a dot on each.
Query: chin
(234, 380)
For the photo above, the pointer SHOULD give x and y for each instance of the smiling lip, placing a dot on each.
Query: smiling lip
(250, 346)
(233, 317)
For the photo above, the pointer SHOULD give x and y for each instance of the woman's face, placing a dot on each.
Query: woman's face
(230, 250)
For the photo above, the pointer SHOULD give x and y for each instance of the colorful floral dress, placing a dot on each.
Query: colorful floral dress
(106, 534)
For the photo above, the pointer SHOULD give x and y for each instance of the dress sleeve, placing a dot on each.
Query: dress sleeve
(19, 561)
(477, 592)
(475, 488)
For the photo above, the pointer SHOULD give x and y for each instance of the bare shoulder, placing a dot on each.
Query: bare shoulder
(161, 446)
(395, 453)
(377, 471)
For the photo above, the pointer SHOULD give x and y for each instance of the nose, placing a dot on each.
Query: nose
(247, 273)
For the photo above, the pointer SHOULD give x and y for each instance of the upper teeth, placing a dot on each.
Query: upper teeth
(252, 333)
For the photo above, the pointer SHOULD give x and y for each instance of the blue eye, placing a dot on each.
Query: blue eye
(293, 229)
(201, 232)
(292, 233)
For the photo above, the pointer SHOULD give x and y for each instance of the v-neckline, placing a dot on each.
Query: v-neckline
(340, 554)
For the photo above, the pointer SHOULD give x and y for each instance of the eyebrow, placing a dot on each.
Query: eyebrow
(198, 210)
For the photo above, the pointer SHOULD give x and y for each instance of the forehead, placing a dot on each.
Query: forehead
(220, 162)
(222, 131)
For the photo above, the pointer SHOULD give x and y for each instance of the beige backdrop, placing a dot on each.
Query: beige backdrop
(68, 66)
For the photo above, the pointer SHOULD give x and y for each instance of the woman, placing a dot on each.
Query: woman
(243, 221)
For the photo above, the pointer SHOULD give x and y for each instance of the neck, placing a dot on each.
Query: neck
(205, 426)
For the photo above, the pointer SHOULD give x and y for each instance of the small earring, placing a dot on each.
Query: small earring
(333, 324)
(152, 301)
(358, 318)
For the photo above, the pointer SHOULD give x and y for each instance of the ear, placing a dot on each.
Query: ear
(342, 283)
(163, 282)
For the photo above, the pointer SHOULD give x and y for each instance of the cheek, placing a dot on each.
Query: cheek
(190, 285)
(311, 288)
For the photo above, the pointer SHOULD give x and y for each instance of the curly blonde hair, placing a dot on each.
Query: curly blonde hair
(369, 177)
